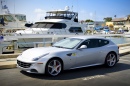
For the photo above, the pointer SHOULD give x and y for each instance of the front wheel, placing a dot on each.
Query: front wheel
(111, 60)
(54, 67)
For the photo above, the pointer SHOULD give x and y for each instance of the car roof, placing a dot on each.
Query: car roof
(89, 37)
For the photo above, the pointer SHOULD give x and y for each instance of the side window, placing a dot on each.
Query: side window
(91, 43)
(103, 42)
(75, 30)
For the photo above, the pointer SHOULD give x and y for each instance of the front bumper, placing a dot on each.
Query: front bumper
(31, 67)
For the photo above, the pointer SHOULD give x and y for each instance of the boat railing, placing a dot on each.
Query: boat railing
(35, 44)
(6, 49)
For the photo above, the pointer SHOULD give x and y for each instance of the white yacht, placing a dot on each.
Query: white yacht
(127, 34)
(57, 22)
(57, 25)
(10, 23)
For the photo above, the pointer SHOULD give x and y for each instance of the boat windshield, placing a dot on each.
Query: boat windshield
(49, 25)
(7, 18)
(59, 15)
(21, 17)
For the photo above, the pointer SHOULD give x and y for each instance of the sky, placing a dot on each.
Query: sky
(96, 10)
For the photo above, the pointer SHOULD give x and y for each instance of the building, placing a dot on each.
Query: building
(122, 23)
(92, 25)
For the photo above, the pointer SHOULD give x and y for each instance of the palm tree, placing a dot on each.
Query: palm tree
(115, 16)
(128, 17)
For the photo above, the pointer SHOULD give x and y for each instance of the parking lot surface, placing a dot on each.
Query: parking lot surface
(119, 75)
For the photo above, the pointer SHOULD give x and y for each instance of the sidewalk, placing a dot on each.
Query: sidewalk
(9, 61)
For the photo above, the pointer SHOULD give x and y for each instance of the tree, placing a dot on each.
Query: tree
(108, 19)
(89, 20)
(128, 17)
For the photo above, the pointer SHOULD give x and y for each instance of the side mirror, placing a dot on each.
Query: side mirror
(83, 46)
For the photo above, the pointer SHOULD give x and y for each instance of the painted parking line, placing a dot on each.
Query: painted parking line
(125, 57)
(125, 60)
(92, 77)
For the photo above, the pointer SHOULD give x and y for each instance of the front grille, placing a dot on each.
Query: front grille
(23, 64)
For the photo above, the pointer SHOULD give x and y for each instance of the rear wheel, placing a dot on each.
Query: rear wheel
(54, 67)
(111, 59)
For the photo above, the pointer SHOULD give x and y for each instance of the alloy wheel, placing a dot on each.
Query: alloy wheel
(54, 67)
(111, 60)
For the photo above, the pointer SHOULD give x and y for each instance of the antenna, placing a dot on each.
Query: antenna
(4, 8)
(14, 6)
(72, 8)
(1, 5)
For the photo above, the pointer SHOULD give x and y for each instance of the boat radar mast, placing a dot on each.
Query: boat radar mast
(67, 8)
(4, 8)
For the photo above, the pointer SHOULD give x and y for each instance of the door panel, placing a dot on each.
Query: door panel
(87, 56)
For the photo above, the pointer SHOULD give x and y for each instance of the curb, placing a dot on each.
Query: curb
(125, 53)
(8, 66)
(3, 56)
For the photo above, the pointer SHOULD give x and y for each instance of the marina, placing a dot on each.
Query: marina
(10, 22)
(48, 40)
(58, 24)
(49, 37)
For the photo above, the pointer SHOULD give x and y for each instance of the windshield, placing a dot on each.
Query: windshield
(49, 25)
(68, 43)
(21, 17)
(7, 18)
(59, 15)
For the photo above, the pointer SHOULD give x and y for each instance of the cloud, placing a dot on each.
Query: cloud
(83, 15)
(40, 14)
(39, 11)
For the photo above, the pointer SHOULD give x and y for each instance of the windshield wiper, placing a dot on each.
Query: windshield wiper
(60, 47)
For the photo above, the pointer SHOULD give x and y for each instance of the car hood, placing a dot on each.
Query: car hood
(36, 52)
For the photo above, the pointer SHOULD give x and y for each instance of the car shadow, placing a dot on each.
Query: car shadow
(82, 72)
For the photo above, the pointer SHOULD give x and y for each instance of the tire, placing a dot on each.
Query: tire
(111, 59)
(53, 67)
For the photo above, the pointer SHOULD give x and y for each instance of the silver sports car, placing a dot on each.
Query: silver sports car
(69, 53)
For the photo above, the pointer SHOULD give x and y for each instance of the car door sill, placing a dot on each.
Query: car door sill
(87, 66)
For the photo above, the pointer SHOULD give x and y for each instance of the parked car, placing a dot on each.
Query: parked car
(69, 53)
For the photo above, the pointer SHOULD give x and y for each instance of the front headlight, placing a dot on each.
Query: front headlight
(37, 58)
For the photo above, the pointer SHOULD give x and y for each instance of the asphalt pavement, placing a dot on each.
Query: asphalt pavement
(119, 75)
